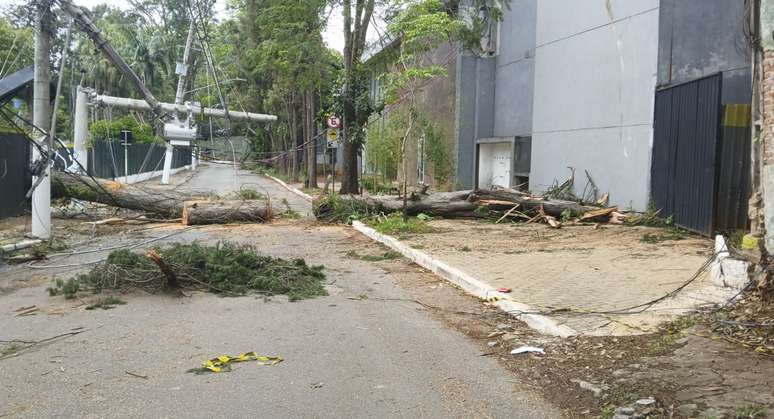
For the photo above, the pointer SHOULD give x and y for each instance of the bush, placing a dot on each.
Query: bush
(109, 130)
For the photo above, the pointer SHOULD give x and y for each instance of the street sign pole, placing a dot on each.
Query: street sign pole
(126, 139)
(126, 163)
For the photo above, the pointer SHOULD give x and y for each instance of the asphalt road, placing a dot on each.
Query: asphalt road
(366, 350)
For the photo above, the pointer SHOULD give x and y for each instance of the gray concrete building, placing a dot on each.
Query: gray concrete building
(578, 81)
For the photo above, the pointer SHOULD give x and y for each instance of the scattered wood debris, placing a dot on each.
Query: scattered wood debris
(26, 311)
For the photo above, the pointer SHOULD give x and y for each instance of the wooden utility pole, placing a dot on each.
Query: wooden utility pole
(41, 117)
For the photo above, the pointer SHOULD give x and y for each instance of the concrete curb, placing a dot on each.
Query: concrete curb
(469, 284)
(455, 276)
(291, 189)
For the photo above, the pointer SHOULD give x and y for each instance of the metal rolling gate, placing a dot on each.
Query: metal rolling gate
(700, 168)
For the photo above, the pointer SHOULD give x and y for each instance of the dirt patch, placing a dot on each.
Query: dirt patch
(687, 370)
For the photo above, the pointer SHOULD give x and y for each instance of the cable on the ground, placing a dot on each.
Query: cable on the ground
(631, 310)
(33, 265)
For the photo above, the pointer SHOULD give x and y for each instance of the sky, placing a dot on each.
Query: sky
(333, 34)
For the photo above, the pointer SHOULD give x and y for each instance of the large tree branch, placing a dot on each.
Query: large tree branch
(364, 24)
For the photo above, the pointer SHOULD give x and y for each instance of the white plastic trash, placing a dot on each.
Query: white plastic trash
(528, 349)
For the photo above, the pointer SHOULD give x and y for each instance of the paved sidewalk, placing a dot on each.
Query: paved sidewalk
(583, 269)
(604, 280)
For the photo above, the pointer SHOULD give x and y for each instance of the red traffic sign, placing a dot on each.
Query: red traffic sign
(334, 122)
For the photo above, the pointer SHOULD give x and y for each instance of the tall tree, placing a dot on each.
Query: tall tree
(355, 106)
(277, 46)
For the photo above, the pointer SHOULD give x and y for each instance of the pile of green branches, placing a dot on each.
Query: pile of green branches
(331, 208)
(226, 268)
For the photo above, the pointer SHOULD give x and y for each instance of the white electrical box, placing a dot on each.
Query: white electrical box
(494, 163)
(503, 162)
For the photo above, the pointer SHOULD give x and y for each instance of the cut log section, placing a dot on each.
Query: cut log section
(222, 212)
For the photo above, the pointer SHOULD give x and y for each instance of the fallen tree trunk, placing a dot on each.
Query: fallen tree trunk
(220, 212)
(460, 204)
(167, 204)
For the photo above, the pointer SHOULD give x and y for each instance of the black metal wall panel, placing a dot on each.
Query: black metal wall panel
(685, 152)
(734, 173)
(106, 159)
(15, 176)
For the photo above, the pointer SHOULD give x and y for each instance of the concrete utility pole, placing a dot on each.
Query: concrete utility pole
(182, 71)
(81, 131)
(141, 105)
(41, 117)
(186, 61)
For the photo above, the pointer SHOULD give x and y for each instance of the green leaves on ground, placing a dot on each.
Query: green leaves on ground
(226, 269)
(106, 303)
(395, 224)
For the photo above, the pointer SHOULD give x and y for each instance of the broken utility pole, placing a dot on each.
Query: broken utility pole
(41, 117)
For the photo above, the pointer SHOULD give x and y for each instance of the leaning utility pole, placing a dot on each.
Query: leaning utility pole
(182, 71)
(41, 117)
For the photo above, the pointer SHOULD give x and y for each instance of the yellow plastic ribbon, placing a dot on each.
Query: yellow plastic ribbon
(218, 364)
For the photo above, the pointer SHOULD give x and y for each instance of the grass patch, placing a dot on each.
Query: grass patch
(106, 303)
(672, 234)
(651, 218)
(10, 349)
(248, 194)
(67, 288)
(290, 215)
(388, 255)
(751, 412)
(225, 269)
(395, 224)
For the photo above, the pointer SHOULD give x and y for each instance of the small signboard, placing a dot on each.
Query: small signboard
(333, 122)
(126, 137)
(333, 137)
